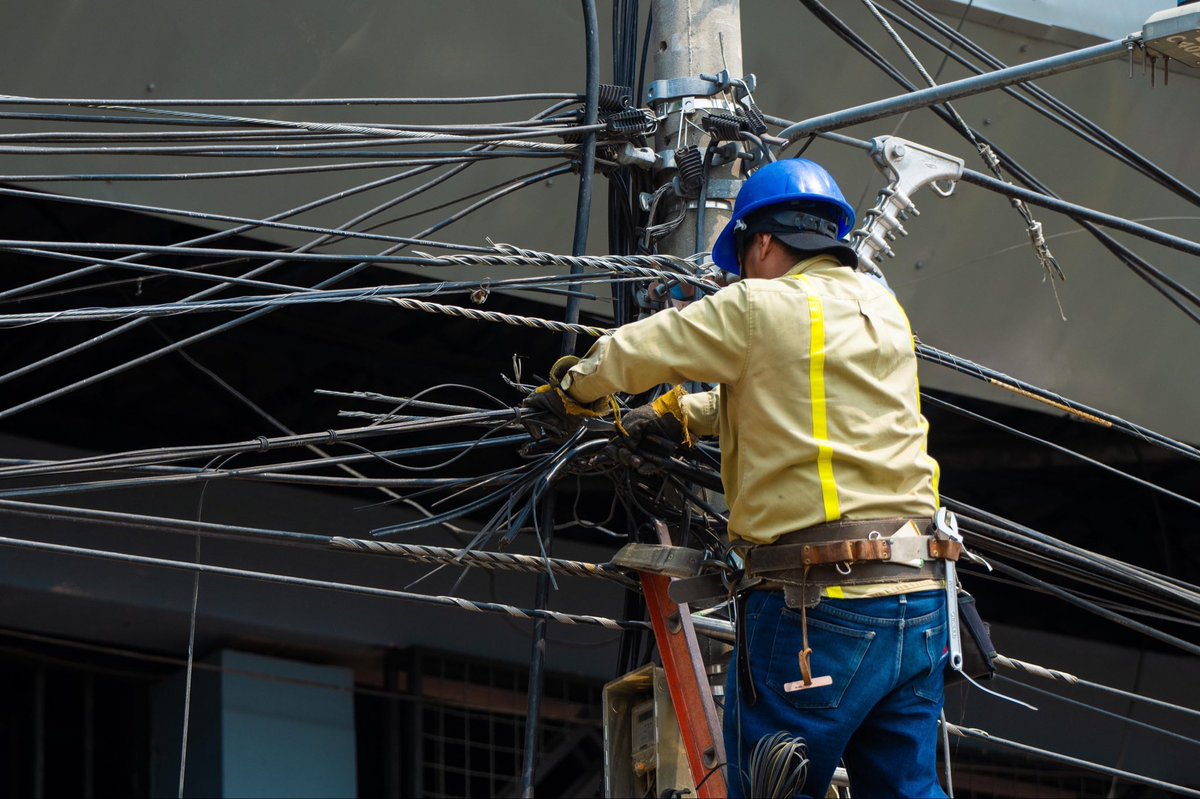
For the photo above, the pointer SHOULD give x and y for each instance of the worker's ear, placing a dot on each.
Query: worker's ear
(769, 245)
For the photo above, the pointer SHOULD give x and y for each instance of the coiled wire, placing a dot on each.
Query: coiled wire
(778, 766)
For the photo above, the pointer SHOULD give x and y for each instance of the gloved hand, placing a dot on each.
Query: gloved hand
(652, 432)
(645, 420)
(559, 416)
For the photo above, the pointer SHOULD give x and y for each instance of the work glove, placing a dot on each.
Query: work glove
(651, 432)
(645, 420)
(556, 415)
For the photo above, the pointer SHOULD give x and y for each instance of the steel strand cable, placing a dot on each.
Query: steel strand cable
(252, 314)
(496, 316)
(419, 553)
(1142, 725)
(527, 614)
(1071, 679)
(379, 183)
(480, 558)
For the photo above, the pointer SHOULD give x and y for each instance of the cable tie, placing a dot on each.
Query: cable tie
(333, 436)
(264, 443)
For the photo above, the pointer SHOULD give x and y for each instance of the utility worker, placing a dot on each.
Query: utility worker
(821, 439)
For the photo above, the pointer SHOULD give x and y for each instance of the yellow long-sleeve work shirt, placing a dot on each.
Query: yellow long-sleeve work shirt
(817, 408)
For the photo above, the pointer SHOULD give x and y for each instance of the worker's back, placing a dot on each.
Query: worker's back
(824, 421)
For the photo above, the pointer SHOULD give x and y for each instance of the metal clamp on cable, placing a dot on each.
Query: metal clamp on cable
(704, 86)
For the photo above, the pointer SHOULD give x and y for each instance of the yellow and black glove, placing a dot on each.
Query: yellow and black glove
(652, 432)
(645, 420)
(558, 416)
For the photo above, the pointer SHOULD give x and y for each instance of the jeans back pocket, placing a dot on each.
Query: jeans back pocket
(837, 651)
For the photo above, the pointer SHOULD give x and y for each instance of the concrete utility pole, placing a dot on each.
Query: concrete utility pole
(690, 39)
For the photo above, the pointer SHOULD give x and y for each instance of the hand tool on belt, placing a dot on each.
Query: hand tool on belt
(850, 553)
(842, 553)
(846, 553)
(802, 564)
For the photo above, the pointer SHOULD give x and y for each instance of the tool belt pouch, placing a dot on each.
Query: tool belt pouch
(978, 651)
(842, 554)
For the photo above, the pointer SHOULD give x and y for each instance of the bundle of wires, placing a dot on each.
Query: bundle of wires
(778, 766)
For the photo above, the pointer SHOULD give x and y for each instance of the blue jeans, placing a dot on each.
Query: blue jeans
(886, 657)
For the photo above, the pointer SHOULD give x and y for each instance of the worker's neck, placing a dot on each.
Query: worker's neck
(768, 259)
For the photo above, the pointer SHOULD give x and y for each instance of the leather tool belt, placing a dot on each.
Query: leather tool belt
(848, 553)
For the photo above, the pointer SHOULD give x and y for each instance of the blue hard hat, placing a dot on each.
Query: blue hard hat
(777, 183)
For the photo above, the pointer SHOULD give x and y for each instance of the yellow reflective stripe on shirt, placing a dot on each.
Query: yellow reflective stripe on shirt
(816, 381)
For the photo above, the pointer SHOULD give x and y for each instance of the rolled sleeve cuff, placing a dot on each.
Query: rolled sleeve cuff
(703, 412)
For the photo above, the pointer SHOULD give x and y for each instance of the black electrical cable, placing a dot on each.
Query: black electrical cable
(438, 207)
(1102, 138)
(340, 148)
(587, 162)
(1121, 576)
(364, 130)
(84, 177)
(1097, 610)
(1124, 719)
(139, 281)
(338, 101)
(1001, 380)
(1181, 587)
(228, 135)
(1020, 92)
(259, 223)
(244, 228)
(159, 455)
(100, 263)
(1140, 267)
(99, 376)
(1079, 212)
(1157, 279)
(778, 766)
(977, 574)
(378, 183)
(941, 403)
(988, 739)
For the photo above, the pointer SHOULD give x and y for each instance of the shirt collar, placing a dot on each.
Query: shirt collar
(807, 264)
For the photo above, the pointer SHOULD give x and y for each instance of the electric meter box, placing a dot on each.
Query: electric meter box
(643, 748)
